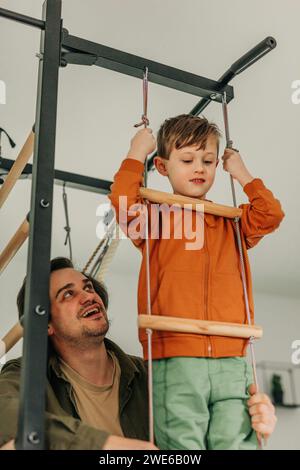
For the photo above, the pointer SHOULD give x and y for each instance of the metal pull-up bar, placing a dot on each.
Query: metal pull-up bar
(248, 59)
(28, 20)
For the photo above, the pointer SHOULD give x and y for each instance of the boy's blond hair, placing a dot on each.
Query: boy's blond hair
(185, 130)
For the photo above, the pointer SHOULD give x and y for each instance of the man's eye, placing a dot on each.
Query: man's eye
(89, 286)
(67, 293)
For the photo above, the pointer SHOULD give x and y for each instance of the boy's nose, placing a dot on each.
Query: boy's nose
(199, 168)
(198, 165)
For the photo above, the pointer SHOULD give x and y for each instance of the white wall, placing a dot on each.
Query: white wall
(280, 319)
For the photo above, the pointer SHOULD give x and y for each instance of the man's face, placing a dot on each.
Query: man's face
(78, 315)
(191, 170)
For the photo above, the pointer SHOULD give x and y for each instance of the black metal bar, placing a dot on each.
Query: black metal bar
(31, 432)
(256, 53)
(12, 15)
(134, 66)
(72, 180)
(77, 58)
(248, 59)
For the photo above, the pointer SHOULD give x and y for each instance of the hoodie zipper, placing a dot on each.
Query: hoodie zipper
(207, 263)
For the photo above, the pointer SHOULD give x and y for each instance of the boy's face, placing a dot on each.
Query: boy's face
(191, 170)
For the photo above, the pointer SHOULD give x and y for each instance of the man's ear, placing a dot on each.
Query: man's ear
(160, 165)
(50, 329)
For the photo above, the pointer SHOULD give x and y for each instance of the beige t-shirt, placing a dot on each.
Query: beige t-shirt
(97, 406)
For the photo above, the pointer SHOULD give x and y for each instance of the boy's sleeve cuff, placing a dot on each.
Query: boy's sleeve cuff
(130, 164)
(255, 185)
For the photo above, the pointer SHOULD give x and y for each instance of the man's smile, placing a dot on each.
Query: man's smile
(92, 312)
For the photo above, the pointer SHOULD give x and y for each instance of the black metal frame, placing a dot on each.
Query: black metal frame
(78, 51)
(58, 48)
(31, 423)
(72, 180)
(28, 20)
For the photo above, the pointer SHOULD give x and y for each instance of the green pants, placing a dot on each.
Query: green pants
(200, 403)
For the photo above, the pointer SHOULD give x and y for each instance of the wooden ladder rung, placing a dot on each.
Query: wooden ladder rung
(189, 202)
(201, 327)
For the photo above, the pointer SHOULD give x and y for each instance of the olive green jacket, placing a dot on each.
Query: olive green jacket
(64, 429)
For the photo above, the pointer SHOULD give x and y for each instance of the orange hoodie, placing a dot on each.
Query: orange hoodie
(204, 284)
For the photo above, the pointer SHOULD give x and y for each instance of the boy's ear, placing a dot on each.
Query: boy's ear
(217, 162)
(160, 165)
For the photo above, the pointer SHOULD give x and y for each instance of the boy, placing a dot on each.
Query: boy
(200, 382)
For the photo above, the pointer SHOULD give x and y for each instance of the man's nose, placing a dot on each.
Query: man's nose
(85, 296)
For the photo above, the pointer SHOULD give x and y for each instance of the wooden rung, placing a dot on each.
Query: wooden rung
(14, 244)
(209, 207)
(17, 168)
(9, 445)
(201, 327)
(11, 338)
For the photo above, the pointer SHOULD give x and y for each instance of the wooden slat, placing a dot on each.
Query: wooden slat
(201, 327)
(12, 336)
(17, 168)
(14, 245)
(209, 207)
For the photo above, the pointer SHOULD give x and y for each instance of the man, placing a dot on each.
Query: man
(96, 394)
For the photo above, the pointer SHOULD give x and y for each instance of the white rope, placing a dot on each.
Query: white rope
(145, 123)
(229, 144)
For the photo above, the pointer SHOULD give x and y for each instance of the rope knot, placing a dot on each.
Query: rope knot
(144, 122)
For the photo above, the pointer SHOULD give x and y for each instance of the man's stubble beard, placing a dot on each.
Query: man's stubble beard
(87, 333)
(87, 337)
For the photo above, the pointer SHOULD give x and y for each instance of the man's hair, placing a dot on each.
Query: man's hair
(55, 265)
(185, 130)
